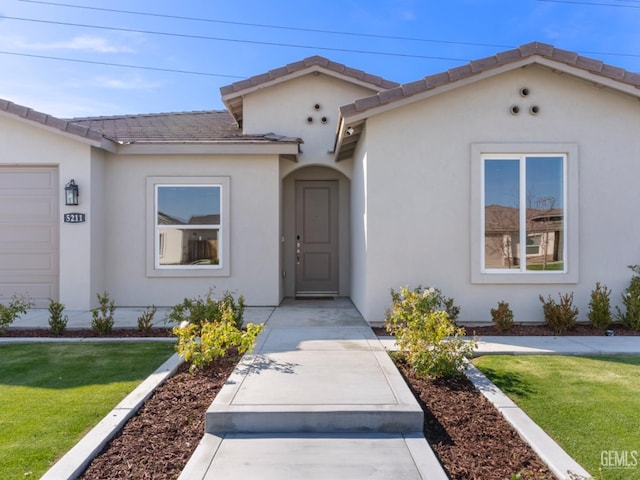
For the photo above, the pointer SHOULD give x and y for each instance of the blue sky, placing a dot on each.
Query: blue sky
(242, 42)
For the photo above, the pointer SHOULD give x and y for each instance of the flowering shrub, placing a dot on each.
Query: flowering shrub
(208, 309)
(210, 328)
(425, 332)
(631, 300)
(8, 313)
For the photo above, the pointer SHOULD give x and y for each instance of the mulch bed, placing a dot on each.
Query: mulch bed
(158, 441)
(537, 330)
(469, 436)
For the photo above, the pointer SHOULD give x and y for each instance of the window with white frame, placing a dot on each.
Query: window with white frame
(189, 228)
(525, 208)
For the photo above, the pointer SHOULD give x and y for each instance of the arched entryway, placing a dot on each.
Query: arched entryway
(315, 233)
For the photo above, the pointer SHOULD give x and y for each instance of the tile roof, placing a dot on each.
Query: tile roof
(182, 127)
(50, 121)
(476, 67)
(232, 95)
(375, 81)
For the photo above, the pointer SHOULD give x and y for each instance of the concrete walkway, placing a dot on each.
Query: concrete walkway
(319, 397)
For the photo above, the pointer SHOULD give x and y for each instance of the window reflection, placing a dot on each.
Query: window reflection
(523, 205)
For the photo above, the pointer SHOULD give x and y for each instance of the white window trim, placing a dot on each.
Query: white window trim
(224, 254)
(571, 273)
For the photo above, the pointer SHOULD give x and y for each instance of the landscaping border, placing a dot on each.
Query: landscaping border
(76, 460)
(561, 464)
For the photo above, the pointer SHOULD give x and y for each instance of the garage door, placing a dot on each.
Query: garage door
(29, 233)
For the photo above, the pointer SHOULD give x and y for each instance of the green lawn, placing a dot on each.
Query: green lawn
(53, 393)
(589, 405)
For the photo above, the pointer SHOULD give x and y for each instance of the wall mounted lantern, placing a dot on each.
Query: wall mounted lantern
(71, 193)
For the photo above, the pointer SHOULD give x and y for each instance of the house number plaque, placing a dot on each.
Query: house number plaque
(75, 217)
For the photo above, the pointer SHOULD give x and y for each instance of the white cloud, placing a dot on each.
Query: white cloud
(135, 83)
(82, 43)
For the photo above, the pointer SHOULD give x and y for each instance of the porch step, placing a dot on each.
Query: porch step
(315, 380)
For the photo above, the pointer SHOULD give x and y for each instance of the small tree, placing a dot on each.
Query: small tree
(630, 317)
(102, 322)
(600, 307)
(57, 321)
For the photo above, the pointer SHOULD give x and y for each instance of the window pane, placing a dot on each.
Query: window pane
(501, 213)
(545, 212)
(187, 246)
(188, 205)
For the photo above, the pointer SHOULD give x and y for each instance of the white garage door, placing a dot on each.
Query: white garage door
(29, 233)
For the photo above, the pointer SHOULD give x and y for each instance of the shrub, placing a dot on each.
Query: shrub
(102, 322)
(631, 300)
(209, 328)
(425, 332)
(600, 307)
(502, 316)
(559, 316)
(199, 310)
(57, 321)
(18, 305)
(145, 320)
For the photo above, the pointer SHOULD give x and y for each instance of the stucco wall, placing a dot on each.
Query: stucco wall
(284, 109)
(254, 229)
(25, 143)
(418, 161)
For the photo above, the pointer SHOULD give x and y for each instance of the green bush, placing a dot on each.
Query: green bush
(18, 305)
(209, 328)
(502, 316)
(425, 332)
(199, 310)
(57, 321)
(600, 307)
(630, 317)
(145, 320)
(102, 322)
(559, 316)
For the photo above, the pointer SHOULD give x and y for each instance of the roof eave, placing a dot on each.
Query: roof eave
(210, 148)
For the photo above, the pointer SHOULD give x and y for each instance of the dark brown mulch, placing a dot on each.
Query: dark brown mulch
(537, 330)
(158, 441)
(469, 436)
(86, 333)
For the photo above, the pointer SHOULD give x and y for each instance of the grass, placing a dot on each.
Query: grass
(589, 405)
(52, 394)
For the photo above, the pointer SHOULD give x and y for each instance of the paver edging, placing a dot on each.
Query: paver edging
(76, 460)
(561, 464)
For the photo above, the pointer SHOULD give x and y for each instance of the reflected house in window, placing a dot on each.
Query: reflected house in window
(188, 246)
(544, 247)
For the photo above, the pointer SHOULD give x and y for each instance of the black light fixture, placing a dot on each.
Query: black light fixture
(71, 193)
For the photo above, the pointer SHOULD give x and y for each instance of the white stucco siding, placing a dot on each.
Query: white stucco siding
(418, 163)
(284, 109)
(254, 229)
(24, 143)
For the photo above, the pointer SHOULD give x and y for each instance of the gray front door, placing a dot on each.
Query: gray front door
(316, 239)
